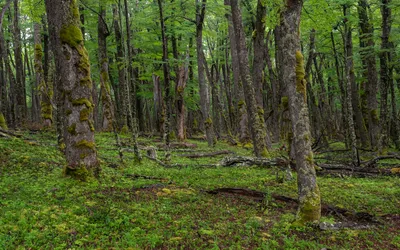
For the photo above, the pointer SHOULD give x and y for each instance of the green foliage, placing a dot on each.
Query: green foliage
(39, 206)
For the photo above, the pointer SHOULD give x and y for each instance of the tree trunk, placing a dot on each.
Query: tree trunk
(130, 89)
(46, 108)
(204, 96)
(103, 33)
(256, 115)
(167, 97)
(73, 78)
(21, 108)
(370, 73)
(293, 78)
(386, 78)
(349, 99)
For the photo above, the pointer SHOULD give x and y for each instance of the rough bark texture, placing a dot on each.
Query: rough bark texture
(386, 78)
(120, 59)
(256, 115)
(179, 100)
(20, 91)
(167, 97)
(349, 99)
(204, 96)
(46, 108)
(370, 73)
(105, 88)
(293, 71)
(130, 88)
(73, 78)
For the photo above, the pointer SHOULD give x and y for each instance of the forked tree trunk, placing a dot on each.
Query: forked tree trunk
(73, 78)
(293, 78)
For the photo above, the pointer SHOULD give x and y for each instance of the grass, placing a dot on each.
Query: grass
(41, 209)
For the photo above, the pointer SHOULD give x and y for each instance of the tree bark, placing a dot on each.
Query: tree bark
(204, 96)
(105, 88)
(167, 97)
(386, 78)
(256, 114)
(75, 84)
(46, 107)
(21, 108)
(293, 78)
(370, 72)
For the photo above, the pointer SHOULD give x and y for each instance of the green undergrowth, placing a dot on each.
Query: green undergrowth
(41, 209)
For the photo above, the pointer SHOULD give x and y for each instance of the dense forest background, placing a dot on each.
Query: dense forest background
(133, 100)
(342, 41)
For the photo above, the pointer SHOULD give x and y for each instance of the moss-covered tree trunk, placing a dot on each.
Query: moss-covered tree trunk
(370, 73)
(73, 77)
(204, 93)
(46, 108)
(240, 121)
(255, 114)
(119, 57)
(105, 87)
(293, 73)
(386, 78)
(167, 97)
(20, 90)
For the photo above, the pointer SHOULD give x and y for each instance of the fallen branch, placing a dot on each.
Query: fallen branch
(345, 170)
(326, 209)
(252, 161)
(136, 176)
(178, 145)
(372, 163)
(211, 154)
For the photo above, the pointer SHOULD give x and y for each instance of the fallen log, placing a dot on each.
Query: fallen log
(345, 170)
(210, 154)
(252, 161)
(326, 209)
(178, 145)
(137, 176)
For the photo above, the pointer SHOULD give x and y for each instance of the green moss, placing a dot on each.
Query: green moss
(38, 53)
(265, 153)
(68, 112)
(309, 209)
(208, 122)
(310, 158)
(84, 115)
(3, 123)
(285, 102)
(172, 135)
(125, 130)
(46, 110)
(80, 173)
(241, 103)
(86, 144)
(72, 129)
(374, 115)
(300, 74)
(91, 126)
(82, 101)
(74, 9)
(71, 34)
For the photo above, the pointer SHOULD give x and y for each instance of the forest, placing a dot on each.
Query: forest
(199, 124)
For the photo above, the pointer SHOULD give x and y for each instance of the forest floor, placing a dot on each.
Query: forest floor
(148, 206)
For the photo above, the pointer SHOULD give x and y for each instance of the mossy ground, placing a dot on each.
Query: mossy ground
(41, 209)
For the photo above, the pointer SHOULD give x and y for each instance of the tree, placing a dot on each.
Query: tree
(256, 114)
(75, 83)
(293, 78)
